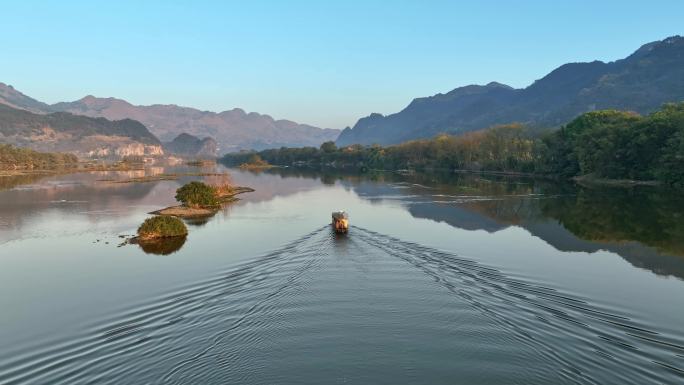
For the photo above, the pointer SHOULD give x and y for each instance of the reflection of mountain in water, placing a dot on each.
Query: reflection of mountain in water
(639, 225)
(637, 254)
(642, 225)
(77, 193)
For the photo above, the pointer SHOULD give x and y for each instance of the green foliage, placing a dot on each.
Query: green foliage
(670, 166)
(606, 144)
(162, 226)
(502, 148)
(328, 147)
(12, 158)
(600, 141)
(255, 160)
(618, 145)
(197, 194)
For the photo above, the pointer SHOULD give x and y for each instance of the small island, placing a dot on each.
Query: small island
(255, 162)
(159, 227)
(201, 163)
(200, 199)
(161, 235)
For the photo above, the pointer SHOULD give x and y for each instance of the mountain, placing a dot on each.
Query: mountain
(81, 135)
(233, 130)
(191, 146)
(642, 82)
(13, 98)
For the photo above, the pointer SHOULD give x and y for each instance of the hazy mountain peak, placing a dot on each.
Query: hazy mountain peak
(91, 100)
(494, 84)
(13, 98)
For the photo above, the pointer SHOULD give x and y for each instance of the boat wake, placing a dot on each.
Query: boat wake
(363, 308)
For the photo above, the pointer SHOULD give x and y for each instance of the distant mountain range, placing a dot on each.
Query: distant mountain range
(233, 130)
(651, 76)
(642, 82)
(82, 135)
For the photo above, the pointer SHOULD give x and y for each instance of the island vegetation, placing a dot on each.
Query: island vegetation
(201, 163)
(161, 235)
(197, 195)
(161, 227)
(199, 199)
(598, 145)
(255, 162)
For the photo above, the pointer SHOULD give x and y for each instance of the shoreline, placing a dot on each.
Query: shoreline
(588, 181)
(69, 170)
(583, 180)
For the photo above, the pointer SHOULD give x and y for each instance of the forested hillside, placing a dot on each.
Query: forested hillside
(606, 144)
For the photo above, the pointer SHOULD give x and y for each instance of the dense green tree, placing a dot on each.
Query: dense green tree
(162, 226)
(328, 147)
(605, 144)
(670, 166)
(197, 194)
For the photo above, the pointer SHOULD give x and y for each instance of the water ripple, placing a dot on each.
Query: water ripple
(367, 308)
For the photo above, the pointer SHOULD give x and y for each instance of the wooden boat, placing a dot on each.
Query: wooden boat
(340, 221)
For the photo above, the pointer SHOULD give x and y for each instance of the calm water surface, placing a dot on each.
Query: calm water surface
(441, 280)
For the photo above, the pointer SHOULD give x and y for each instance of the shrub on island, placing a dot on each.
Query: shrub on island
(162, 227)
(255, 162)
(197, 194)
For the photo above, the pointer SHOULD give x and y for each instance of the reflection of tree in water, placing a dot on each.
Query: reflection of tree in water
(162, 246)
(652, 217)
(328, 179)
(198, 221)
(218, 179)
(645, 226)
(12, 181)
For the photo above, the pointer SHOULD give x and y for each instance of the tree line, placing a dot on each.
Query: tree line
(14, 158)
(607, 144)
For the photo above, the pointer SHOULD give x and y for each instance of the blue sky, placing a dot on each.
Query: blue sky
(319, 62)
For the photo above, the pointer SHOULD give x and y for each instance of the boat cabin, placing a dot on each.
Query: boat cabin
(340, 221)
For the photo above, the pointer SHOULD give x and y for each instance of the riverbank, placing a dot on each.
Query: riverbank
(583, 180)
(591, 180)
(160, 177)
(81, 167)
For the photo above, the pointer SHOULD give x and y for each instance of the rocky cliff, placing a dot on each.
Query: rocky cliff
(84, 136)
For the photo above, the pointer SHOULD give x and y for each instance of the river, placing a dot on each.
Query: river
(442, 279)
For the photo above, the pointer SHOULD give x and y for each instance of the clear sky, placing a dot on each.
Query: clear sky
(325, 63)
